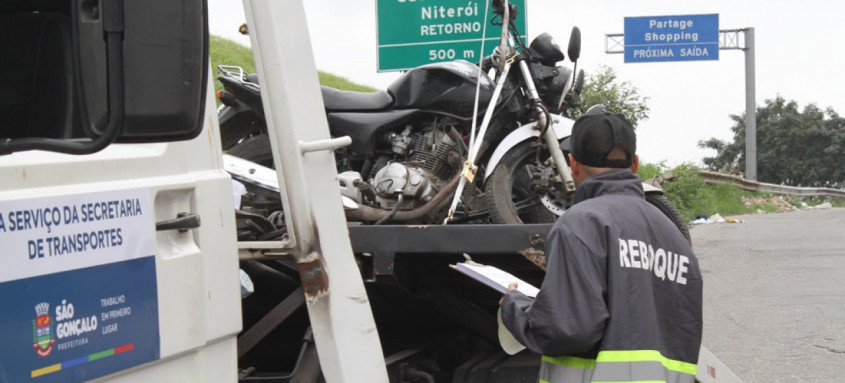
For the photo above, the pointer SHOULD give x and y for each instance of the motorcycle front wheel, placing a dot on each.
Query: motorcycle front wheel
(509, 193)
(511, 200)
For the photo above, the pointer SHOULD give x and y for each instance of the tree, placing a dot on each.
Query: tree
(604, 87)
(800, 148)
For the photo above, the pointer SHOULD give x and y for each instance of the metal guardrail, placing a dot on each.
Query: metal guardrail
(714, 177)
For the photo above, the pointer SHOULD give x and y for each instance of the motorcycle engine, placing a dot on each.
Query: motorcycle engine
(411, 182)
(436, 152)
(424, 162)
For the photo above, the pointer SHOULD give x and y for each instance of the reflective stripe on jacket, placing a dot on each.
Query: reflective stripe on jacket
(617, 366)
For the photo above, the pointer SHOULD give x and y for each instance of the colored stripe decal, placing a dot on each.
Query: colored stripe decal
(46, 370)
(100, 355)
(79, 361)
(74, 362)
(124, 348)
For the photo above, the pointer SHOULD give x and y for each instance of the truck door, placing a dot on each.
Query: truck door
(117, 237)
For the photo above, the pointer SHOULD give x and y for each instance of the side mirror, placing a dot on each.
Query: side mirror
(120, 71)
(574, 50)
(165, 68)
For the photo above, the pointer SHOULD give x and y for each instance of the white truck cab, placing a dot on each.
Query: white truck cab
(117, 232)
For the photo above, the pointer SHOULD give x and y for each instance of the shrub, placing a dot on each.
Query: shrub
(693, 197)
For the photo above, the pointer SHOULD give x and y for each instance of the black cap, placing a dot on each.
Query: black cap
(595, 134)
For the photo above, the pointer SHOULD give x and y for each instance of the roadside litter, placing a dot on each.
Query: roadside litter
(715, 218)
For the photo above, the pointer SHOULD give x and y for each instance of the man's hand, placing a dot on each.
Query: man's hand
(511, 286)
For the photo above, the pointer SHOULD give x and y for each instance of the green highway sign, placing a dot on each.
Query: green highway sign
(416, 32)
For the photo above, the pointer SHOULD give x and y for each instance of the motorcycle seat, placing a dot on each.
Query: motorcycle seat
(347, 101)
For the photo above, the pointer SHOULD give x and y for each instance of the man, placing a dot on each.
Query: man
(621, 300)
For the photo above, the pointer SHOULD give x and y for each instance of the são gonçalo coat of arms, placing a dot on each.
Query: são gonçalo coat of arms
(42, 330)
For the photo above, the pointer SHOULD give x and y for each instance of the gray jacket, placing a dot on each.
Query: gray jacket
(620, 277)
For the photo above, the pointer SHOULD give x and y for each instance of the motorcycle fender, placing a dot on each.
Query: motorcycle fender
(562, 127)
(649, 188)
(225, 113)
(234, 123)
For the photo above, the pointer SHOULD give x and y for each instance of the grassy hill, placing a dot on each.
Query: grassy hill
(227, 52)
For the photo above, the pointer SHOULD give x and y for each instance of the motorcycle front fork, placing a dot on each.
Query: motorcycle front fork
(544, 125)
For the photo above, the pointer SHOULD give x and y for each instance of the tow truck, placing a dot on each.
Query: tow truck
(120, 250)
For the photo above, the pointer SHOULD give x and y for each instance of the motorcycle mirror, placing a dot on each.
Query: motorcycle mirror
(574, 50)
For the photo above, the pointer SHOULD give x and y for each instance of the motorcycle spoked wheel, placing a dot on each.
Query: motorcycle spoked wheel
(511, 200)
(508, 190)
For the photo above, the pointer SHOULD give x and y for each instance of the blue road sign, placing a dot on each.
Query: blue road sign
(671, 38)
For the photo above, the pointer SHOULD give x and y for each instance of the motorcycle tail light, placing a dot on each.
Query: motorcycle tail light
(226, 98)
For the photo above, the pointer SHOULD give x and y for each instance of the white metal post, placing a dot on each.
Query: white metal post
(341, 318)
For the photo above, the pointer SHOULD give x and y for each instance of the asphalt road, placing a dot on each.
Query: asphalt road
(774, 295)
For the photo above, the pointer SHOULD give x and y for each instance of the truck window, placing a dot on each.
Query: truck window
(79, 75)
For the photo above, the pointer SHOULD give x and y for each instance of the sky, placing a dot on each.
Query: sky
(798, 56)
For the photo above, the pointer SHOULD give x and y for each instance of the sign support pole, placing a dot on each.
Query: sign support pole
(750, 108)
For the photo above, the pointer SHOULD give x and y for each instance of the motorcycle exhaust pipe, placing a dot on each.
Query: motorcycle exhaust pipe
(370, 214)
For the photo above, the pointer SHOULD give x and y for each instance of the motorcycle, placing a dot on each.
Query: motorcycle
(415, 145)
